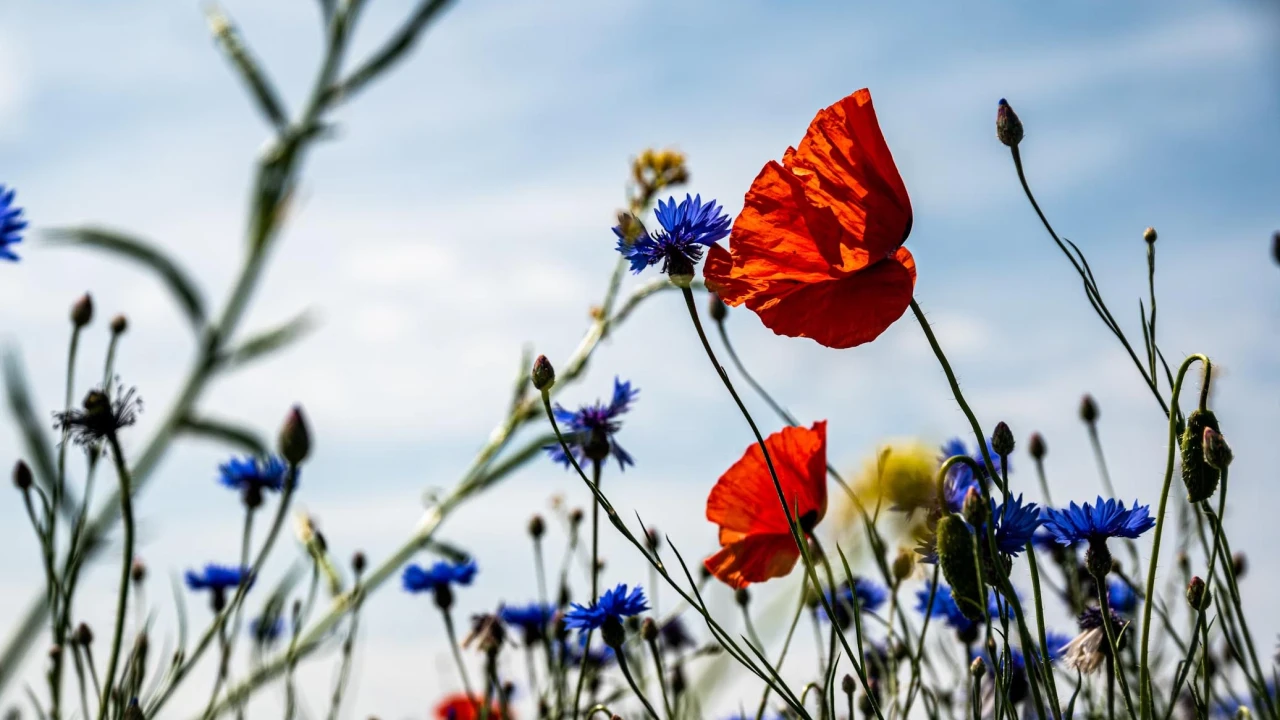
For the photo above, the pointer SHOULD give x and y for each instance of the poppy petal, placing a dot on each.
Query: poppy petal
(744, 499)
(846, 312)
(754, 559)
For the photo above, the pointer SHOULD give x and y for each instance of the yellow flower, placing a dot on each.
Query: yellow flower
(900, 474)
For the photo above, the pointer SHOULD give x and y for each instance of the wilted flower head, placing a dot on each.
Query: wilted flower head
(487, 632)
(687, 229)
(99, 416)
(589, 431)
(613, 605)
(419, 579)
(1087, 650)
(11, 224)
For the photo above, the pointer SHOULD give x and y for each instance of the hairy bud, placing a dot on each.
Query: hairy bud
(1217, 453)
(955, 554)
(542, 374)
(1200, 479)
(1002, 440)
(1036, 446)
(1008, 126)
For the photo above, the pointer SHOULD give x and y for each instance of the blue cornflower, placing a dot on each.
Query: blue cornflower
(1019, 661)
(589, 431)
(1057, 644)
(1015, 524)
(266, 630)
(1121, 597)
(11, 224)
(440, 575)
(870, 595)
(687, 229)
(596, 657)
(532, 619)
(253, 475)
(1095, 525)
(217, 577)
(675, 636)
(612, 606)
(945, 607)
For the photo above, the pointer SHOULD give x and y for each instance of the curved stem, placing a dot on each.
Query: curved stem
(1144, 671)
(626, 673)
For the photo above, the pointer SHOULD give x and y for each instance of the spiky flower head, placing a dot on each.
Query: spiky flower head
(688, 228)
(589, 431)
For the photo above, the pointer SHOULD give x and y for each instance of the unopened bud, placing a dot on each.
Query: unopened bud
(82, 311)
(542, 375)
(1008, 126)
(1198, 594)
(977, 669)
(652, 540)
(956, 556)
(846, 684)
(974, 509)
(1200, 479)
(1184, 562)
(649, 630)
(1036, 446)
(138, 572)
(1216, 450)
(55, 651)
(295, 439)
(358, 563)
(742, 596)
(119, 324)
(22, 476)
(1239, 565)
(1088, 409)
(575, 517)
(1275, 246)
(719, 311)
(537, 527)
(83, 636)
(1002, 439)
(1149, 235)
(903, 564)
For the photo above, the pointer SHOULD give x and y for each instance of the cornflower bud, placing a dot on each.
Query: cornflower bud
(537, 527)
(1002, 440)
(295, 439)
(1008, 126)
(977, 669)
(119, 324)
(903, 564)
(742, 596)
(846, 684)
(974, 509)
(649, 630)
(542, 375)
(1036, 446)
(82, 311)
(1088, 409)
(719, 311)
(22, 476)
(1149, 235)
(1198, 594)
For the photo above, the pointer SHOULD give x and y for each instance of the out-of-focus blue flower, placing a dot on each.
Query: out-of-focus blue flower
(419, 579)
(217, 578)
(590, 430)
(266, 631)
(240, 473)
(11, 224)
(1016, 524)
(944, 607)
(1121, 597)
(1098, 522)
(688, 228)
(675, 636)
(1019, 662)
(961, 477)
(613, 604)
(596, 657)
(870, 596)
(532, 619)
(1057, 643)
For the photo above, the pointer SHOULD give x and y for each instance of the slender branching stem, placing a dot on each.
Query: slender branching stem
(126, 565)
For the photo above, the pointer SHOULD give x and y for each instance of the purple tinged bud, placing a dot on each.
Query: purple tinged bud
(1036, 446)
(82, 311)
(975, 511)
(543, 375)
(649, 630)
(1008, 126)
(1217, 453)
(295, 439)
(1002, 440)
(1198, 595)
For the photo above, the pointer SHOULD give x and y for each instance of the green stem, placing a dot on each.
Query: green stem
(786, 645)
(595, 535)
(1114, 644)
(656, 652)
(126, 565)
(457, 652)
(1144, 670)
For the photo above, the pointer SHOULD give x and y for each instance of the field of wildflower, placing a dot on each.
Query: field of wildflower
(953, 578)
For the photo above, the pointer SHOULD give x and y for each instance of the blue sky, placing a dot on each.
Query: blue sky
(463, 211)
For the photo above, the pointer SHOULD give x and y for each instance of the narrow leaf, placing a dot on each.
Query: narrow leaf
(232, 43)
(226, 432)
(269, 341)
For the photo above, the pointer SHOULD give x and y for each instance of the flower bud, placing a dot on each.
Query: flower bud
(649, 630)
(295, 439)
(1184, 562)
(543, 375)
(22, 476)
(1036, 446)
(1275, 246)
(537, 527)
(1239, 565)
(82, 311)
(1198, 594)
(613, 633)
(1200, 479)
(652, 540)
(1149, 235)
(903, 564)
(1217, 453)
(955, 555)
(719, 311)
(1002, 440)
(742, 596)
(1088, 409)
(138, 573)
(975, 511)
(977, 669)
(1008, 126)
(846, 684)
(575, 517)
(443, 596)
(119, 324)
(83, 636)
(358, 563)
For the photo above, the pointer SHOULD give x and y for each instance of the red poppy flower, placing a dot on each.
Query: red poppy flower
(817, 250)
(755, 541)
(460, 707)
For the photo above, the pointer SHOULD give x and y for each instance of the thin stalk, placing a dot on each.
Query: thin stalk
(626, 673)
(126, 565)
(457, 652)
(1144, 678)
(1113, 643)
(752, 635)
(786, 645)
(656, 652)
(582, 671)
(595, 534)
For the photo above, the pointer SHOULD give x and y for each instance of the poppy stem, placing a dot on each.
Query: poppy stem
(777, 486)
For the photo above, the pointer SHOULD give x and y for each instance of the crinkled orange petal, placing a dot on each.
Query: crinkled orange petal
(754, 559)
(744, 499)
(816, 250)
(846, 312)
